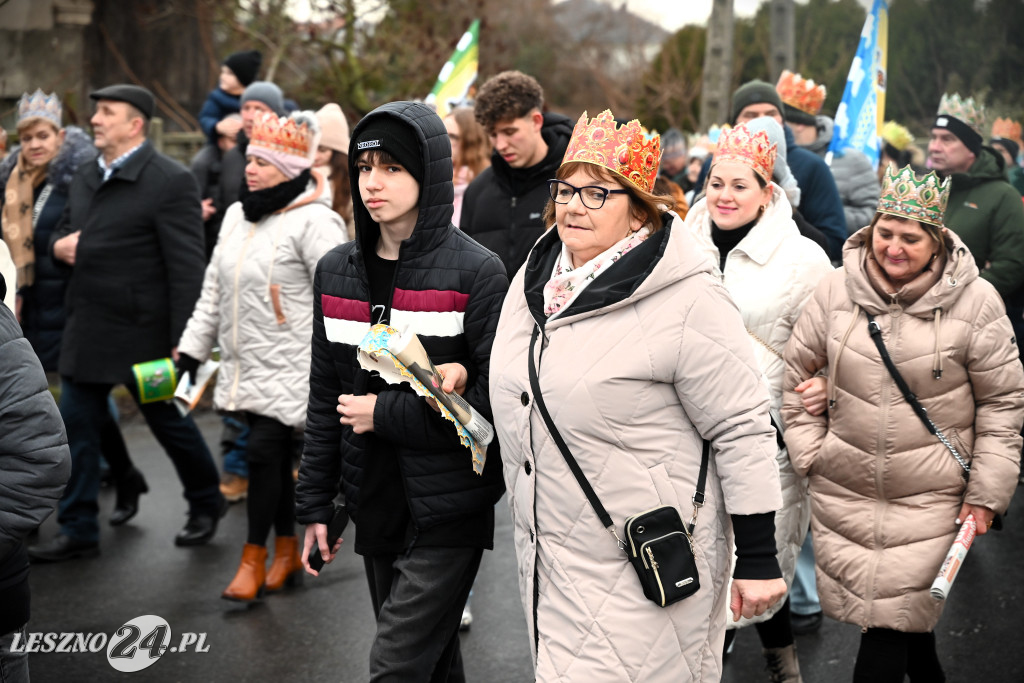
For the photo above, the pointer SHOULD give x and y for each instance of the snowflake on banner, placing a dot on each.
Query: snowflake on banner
(856, 74)
(866, 125)
(868, 33)
(842, 120)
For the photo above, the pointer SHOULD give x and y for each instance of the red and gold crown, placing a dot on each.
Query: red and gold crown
(282, 135)
(624, 150)
(1007, 129)
(739, 146)
(800, 93)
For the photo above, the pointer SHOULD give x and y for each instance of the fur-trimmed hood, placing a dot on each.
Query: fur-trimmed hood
(76, 150)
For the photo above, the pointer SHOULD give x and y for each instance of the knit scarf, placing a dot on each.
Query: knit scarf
(261, 203)
(567, 282)
(19, 197)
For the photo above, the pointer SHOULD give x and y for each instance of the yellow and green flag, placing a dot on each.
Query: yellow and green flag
(458, 73)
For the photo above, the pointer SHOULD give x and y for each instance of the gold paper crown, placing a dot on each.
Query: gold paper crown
(896, 135)
(623, 150)
(800, 93)
(918, 198)
(741, 147)
(282, 135)
(967, 110)
(1007, 129)
(40, 105)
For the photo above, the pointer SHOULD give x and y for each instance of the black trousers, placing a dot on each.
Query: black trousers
(418, 598)
(271, 499)
(887, 656)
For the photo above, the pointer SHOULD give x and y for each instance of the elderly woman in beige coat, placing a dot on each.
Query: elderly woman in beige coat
(641, 356)
(887, 496)
(257, 304)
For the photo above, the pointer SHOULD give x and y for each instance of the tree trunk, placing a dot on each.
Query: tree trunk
(717, 81)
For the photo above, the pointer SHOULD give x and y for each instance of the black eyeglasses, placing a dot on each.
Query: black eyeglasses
(592, 196)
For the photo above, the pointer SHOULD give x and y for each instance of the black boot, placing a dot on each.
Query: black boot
(129, 487)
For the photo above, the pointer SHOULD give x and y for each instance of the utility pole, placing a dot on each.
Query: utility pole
(783, 46)
(717, 83)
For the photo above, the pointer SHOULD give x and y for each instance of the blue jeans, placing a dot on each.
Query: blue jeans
(13, 665)
(803, 596)
(84, 407)
(233, 440)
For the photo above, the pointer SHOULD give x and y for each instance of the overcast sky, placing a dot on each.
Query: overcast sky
(672, 14)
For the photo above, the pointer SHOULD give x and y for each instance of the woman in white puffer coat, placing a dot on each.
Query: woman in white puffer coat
(745, 224)
(257, 305)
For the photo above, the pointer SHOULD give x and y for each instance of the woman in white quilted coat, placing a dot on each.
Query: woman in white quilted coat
(257, 305)
(744, 224)
(640, 356)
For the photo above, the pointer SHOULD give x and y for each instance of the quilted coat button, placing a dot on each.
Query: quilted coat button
(525, 398)
(527, 467)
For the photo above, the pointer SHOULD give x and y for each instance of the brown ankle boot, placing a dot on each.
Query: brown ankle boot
(248, 583)
(287, 565)
(782, 664)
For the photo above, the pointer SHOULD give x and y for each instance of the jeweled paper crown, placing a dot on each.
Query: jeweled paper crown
(739, 146)
(40, 105)
(623, 150)
(896, 135)
(281, 135)
(800, 93)
(967, 110)
(921, 198)
(1007, 129)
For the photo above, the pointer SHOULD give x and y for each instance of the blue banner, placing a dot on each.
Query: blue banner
(861, 114)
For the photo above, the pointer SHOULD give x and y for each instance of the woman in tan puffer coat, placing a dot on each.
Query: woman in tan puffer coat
(641, 355)
(887, 497)
(257, 304)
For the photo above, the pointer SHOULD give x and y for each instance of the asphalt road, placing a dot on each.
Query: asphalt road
(322, 630)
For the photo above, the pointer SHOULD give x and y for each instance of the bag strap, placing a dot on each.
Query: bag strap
(876, 336)
(581, 479)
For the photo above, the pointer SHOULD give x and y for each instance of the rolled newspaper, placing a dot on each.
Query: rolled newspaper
(954, 559)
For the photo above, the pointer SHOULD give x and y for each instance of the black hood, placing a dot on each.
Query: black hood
(436, 191)
(556, 131)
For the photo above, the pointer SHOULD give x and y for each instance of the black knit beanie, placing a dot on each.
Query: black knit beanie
(970, 137)
(1009, 145)
(794, 115)
(397, 138)
(245, 65)
(755, 92)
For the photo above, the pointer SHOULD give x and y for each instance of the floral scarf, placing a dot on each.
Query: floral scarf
(18, 218)
(567, 282)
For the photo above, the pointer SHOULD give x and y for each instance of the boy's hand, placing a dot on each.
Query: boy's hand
(455, 377)
(357, 411)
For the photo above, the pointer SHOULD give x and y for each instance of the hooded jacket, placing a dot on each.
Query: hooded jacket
(855, 178)
(770, 275)
(884, 491)
(987, 214)
(34, 463)
(647, 361)
(42, 304)
(448, 289)
(502, 207)
(257, 305)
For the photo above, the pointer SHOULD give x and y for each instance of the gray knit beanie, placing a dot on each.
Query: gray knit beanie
(755, 92)
(267, 93)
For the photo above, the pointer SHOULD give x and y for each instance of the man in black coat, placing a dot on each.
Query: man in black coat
(132, 231)
(502, 207)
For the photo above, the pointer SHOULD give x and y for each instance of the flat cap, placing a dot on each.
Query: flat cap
(137, 96)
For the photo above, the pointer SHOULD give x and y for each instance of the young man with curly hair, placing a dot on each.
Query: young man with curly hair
(503, 206)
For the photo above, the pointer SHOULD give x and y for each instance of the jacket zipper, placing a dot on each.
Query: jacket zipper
(234, 317)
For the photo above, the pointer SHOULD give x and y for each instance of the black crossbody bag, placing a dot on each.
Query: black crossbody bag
(876, 336)
(657, 543)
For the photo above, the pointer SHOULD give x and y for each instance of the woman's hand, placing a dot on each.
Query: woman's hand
(982, 516)
(814, 394)
(751, 597)
(357, 411)
(316, 534)
(455, 376)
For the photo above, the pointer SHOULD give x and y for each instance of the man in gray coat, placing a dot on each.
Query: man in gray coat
(34, 466)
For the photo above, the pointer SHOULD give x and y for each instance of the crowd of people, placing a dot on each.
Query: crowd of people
(775, 342)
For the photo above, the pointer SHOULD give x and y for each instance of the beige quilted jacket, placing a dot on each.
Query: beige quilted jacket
(257, 305)
(656, 358)
(884, 492)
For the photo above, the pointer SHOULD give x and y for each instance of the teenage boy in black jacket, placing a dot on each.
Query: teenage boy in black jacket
(423, 517)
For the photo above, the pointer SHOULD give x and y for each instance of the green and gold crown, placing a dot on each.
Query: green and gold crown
(918, 198)
(967, 110)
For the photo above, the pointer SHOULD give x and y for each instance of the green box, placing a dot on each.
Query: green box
(155, 380)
